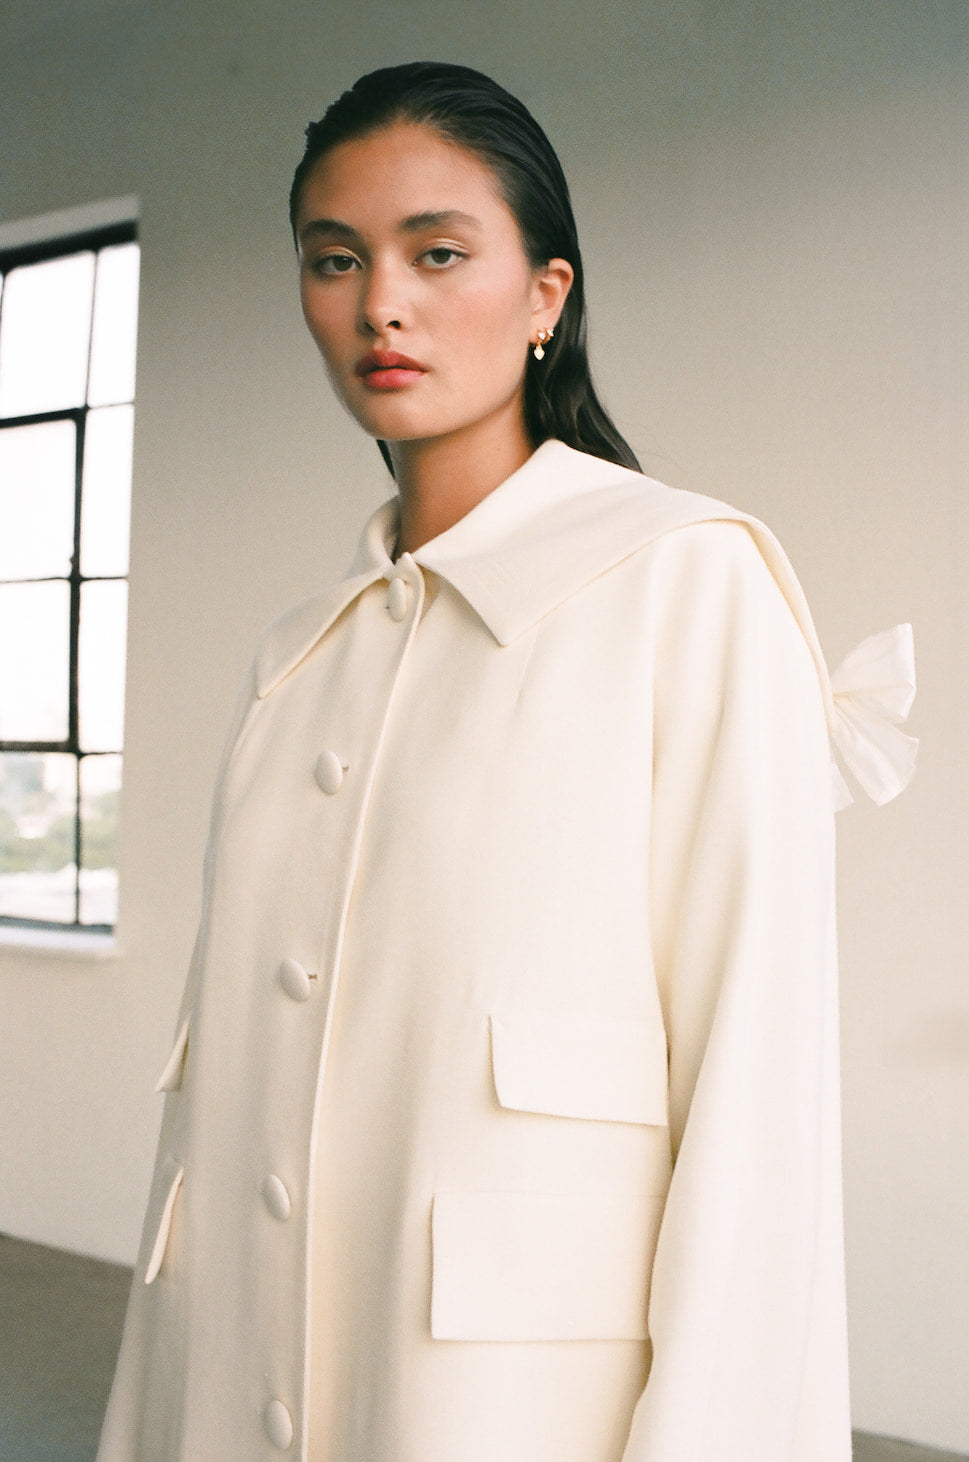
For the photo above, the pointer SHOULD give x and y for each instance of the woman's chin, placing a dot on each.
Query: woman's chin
(389, 424)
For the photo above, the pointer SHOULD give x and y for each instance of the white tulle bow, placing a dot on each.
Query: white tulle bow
(872, 690)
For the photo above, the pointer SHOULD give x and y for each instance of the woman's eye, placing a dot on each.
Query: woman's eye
(441, 256)
(334, 264)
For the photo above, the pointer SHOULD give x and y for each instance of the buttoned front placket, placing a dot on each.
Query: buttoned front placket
(378, 631)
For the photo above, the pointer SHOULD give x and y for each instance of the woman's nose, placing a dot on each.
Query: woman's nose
(383, 300)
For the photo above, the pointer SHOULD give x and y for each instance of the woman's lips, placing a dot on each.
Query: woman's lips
(385, 370)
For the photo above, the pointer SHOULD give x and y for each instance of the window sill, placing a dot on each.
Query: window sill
(73, 944)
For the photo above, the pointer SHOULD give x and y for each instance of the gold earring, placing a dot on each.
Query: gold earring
(543, 336)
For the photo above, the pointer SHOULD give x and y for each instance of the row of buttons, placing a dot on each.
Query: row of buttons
(329, 771)
(298, 984)
(276, 1418)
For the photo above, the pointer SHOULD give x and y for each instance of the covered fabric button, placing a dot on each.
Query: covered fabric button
(279, 1425)
(329, 772)
(397, 599)
(276, 1197)
(294, 980)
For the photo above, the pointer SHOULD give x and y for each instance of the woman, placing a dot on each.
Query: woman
(503, 1122)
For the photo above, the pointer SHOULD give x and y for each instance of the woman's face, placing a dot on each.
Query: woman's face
(407, 249)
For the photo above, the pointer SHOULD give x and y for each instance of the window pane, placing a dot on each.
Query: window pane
(38, 801)
(34, 661)
(45, 328)
(37, 500)
(106, 495)
(100, 801)
(101, 665)
(115, 329)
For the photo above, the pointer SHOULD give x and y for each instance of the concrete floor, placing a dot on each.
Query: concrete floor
(884, 1449)
(60, 1327)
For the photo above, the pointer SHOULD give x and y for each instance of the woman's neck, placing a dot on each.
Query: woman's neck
(442, 478)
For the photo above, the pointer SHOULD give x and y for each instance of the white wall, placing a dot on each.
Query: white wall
(773, 205)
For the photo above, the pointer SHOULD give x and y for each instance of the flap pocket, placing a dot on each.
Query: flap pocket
(608, 1070)
(171, 1077)
(168, 1185)
(541, 1266)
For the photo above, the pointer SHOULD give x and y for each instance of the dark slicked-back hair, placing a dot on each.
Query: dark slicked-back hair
(468, 108)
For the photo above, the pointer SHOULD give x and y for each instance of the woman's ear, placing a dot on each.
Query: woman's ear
(552, 284)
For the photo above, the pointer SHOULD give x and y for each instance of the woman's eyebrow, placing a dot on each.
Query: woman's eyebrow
(437, 219)
(333, 226)
(414, 223)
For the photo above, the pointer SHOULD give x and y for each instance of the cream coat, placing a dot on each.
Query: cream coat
(502, 1121)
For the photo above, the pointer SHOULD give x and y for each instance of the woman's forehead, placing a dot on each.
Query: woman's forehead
(402, 172)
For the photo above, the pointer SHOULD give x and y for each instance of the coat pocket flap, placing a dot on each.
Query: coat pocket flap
(609, 1070)
(540, 1266)
(171, 1077)
(169, 1183)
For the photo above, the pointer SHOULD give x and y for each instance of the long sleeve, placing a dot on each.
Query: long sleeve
(747, 1316)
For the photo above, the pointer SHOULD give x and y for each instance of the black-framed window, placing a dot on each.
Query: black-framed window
(68, 322)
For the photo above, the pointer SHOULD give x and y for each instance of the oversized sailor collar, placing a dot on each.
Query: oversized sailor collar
(549, 529)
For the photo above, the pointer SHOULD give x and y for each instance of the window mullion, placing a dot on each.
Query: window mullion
(55, 248)
(41, 747)
(40, 418)
(75, 581)
(77, 840)
(73, 701)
